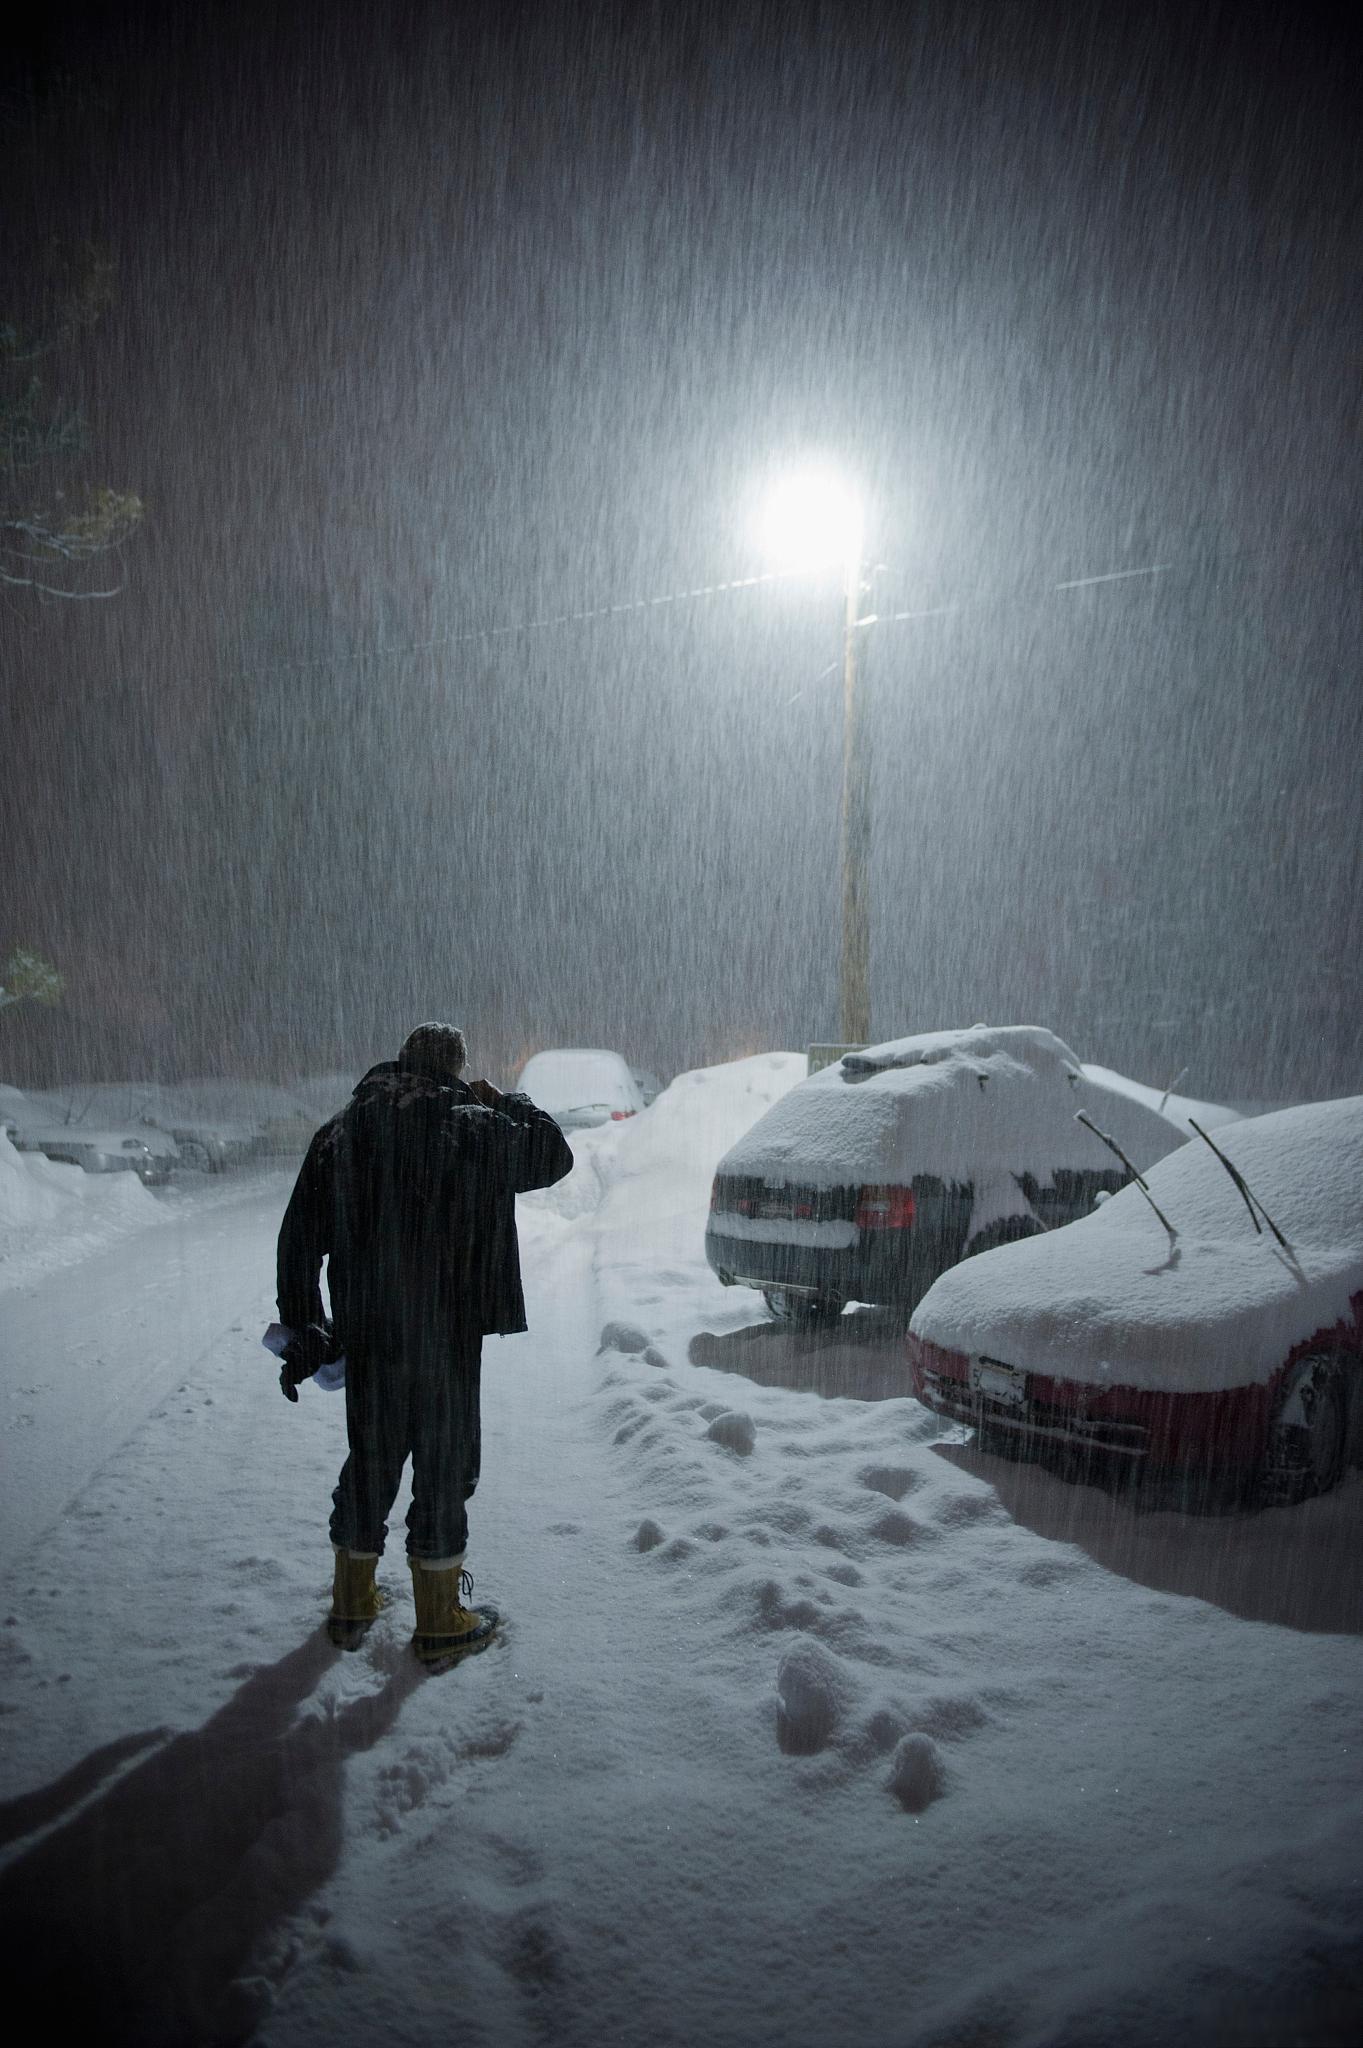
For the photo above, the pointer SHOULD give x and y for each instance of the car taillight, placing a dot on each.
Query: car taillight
(618, 1115)
(885, 1209)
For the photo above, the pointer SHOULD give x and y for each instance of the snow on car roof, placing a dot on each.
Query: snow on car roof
(1031, 1044)
(1113, 1301)
(958, 1104)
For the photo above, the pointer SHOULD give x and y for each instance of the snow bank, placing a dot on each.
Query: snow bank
(653, 1171)
(580, 1191)
(960, 1104)
(1109, 1301)
(51, 1215)
(651, 1220)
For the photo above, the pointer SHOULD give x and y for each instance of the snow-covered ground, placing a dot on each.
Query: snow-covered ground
(808, 1724)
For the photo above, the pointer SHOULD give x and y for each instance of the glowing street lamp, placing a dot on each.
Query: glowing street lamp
(812, 520)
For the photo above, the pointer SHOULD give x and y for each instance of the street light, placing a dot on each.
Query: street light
(812, 520)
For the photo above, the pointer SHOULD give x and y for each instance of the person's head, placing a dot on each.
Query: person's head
(436, 1050)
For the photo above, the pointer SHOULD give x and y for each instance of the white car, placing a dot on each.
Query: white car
(581, 1087)
(1211, 1322)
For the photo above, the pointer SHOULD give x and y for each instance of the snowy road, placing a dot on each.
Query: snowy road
(807, 1725)
(91, 1350)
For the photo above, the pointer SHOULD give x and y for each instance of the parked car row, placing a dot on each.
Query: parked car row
(155, 1129)
(213, 1126)
(1094, 1270)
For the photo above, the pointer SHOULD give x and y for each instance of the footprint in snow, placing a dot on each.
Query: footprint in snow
(812, 1692)
(916, 1773)
(648, 1535)
(623, 1337)
(734, 1431)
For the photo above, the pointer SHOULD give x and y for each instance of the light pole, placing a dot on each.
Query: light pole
(854, 971)
(812, 520)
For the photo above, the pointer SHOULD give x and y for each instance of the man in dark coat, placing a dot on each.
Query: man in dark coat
(409, 1193)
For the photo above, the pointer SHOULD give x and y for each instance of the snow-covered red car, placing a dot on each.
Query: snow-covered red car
(1211, 1320)
(873, 1176)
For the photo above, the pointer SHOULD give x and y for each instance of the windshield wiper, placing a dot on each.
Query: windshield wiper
(1251, 1201)
(1136, 1175)
(1181, 1075)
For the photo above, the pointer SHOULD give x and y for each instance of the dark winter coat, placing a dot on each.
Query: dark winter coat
(409, 1193)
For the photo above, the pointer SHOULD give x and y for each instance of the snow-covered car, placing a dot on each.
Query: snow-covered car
(1213, 1321)
(876, 1174)
(209, 1147)
(581, 1086)
(149, 1153)
(266, 1119)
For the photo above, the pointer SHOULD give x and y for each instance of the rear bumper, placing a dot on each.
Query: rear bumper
(891, 1267)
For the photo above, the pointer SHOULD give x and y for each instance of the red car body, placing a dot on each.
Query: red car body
(1226, 1432)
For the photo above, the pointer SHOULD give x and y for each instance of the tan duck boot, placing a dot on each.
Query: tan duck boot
(356, 1601)
(445, 1627)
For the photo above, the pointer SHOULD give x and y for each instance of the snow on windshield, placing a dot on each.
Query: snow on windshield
(1112, 1300)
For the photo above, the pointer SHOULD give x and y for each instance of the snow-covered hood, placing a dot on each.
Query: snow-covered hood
(1113, 1301)
(961, 1104)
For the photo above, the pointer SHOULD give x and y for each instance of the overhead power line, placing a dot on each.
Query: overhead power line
(632, 607)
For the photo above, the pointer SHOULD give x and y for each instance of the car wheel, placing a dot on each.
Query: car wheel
(803, 1309)
(195, 1156)
(1309, 1434)
(1010, 1230)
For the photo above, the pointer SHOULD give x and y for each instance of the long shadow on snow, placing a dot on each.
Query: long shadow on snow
(1296, 1566)
(133, 1920)
(859, 1357)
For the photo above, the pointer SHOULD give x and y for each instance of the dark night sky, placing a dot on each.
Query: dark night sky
(438, 319)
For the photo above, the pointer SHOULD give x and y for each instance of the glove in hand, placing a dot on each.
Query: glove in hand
(307, 1350)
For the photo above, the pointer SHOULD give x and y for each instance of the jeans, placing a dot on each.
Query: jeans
(422, 1405)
